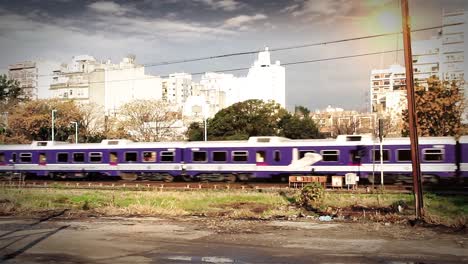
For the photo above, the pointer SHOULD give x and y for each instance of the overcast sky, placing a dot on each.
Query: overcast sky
(167, 30)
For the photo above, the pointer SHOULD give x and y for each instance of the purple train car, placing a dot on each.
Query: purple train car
(257, 158)
(124, 158)
(463, 156)
(361, 154)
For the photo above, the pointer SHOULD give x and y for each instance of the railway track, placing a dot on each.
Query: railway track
(257, 186)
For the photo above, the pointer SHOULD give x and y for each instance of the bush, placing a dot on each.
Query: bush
(312, 196)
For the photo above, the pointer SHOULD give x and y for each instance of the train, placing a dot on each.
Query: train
(258, 158)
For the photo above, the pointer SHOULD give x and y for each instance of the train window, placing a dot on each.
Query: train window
(433, 154)
(2, 157)
(62, 157)
(403, 155)
(149, 156)
(277, 155)
(113, 157)
(220, 156)
(78, 157)
(167, 156)
(260, 157)
(199, 156)
(42, 158)
(95, 156)
(385, 152)
(240, 156)
(13, 157)
(25, 157)
(303, 152)
(330, 155)
(131, 156)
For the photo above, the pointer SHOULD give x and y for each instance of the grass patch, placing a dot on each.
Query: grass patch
(234, 204)
(445, 210)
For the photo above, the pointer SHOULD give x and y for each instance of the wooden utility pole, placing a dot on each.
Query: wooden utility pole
(413, 121)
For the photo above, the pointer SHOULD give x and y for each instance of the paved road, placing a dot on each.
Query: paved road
(205, 240)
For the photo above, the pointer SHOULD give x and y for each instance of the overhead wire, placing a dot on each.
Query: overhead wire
(165, 63)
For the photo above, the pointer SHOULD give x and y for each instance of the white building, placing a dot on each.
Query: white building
(34, 77)
(177, 88)
(386, 83)
(125, 82)
(108, 85)
(442, 56)
(265, 81)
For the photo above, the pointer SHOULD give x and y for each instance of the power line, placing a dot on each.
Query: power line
(164, 63)
(246, 68)
(295, 46)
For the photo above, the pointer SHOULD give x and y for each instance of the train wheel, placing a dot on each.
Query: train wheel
(230, 178)
(168, 178)
(128, 176)
(186, 178)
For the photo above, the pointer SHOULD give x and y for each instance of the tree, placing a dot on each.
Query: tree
(297, 127)
(439, 109)
(245, 119)
(92, 122)
(150, 120)
(32, 120)
(10, 93)
(195, 132)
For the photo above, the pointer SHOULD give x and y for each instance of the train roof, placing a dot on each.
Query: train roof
(261, 141)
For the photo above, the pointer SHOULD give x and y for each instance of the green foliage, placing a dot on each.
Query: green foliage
(245, 119)
(296, 127)
(312, 195)
(195, 132)
(439, 109)
(257, 118)
(10, 91)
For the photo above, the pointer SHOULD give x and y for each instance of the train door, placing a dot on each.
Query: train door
(260, 158)
(113, 158)
(42, 159)
(356, 155)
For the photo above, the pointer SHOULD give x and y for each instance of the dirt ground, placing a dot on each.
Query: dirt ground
(217, 240)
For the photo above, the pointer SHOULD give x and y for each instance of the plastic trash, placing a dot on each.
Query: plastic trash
(325, 218)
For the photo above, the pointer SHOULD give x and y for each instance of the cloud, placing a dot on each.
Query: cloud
(320, 10)
(242, 20)
(289, 9)
(110, 7)
(226, 5)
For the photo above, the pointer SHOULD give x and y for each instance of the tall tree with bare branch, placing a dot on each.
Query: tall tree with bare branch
(150, 120)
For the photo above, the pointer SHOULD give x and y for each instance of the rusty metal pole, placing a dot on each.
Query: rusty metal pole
(413, 121)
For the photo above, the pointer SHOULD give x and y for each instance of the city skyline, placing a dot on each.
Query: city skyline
(172, 30)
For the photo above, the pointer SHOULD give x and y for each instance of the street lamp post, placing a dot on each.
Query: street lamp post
(76, 131)
(206, 134)
(53, 124)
